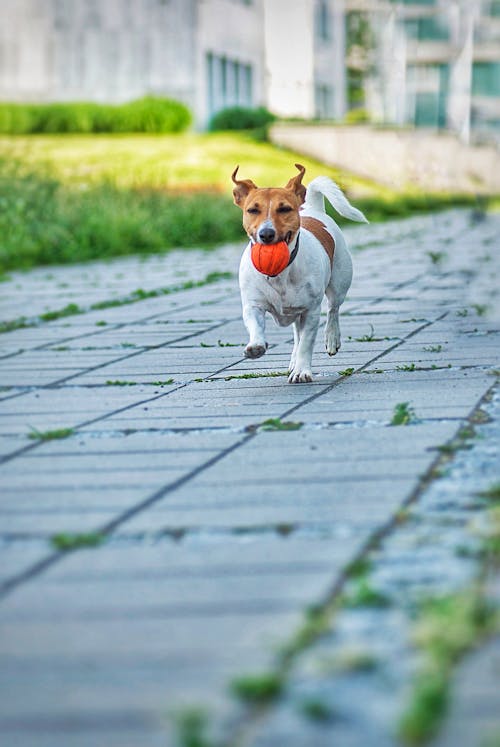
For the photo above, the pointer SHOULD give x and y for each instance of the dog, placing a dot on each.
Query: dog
(319, 264)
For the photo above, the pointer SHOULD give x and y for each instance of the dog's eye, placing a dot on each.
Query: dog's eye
(253, 210)
(285, 209)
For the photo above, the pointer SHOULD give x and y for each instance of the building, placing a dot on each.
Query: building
(431, 63)
(288, 56)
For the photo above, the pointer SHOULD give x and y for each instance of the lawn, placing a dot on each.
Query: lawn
(187, 162)
(72, 198)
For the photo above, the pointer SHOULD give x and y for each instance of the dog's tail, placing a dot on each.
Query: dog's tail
(322, 187)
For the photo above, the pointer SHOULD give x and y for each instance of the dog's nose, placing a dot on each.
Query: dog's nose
(266, 234)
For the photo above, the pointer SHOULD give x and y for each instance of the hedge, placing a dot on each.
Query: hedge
(148, 114)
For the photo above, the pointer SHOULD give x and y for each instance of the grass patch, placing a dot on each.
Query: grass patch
(436, 257)
(162, 383)
(267, 375)
(432, 348)
(347, 372)
(191, 726)
(259, 688)
(67, 541)
(407, 367)
(447, 627)
(72, 199)
(492, 493)
(316, 623)
(363, 594)
(52, 435)
(118, 382)
(275, 424)
(370, 337)
(317, 710)
(403, 414)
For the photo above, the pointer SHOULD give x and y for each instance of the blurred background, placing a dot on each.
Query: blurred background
(427, 63)
(397, 101)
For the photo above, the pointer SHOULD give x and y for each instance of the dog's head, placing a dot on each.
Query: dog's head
(270, 214)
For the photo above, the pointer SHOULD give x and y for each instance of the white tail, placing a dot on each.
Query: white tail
(322, 187)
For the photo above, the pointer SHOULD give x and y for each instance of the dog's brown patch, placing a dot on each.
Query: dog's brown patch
(319, 230)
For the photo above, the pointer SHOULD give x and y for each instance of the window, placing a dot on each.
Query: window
(229, 83)
(324, 101)
(486, 79)
(323, 20)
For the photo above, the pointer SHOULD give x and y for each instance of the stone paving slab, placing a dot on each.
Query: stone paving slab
(220, 535)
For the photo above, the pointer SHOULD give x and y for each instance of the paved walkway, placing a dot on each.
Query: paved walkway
(219, 534)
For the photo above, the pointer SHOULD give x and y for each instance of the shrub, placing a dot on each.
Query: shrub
(148, 114)
(357, 116)
(241, 118)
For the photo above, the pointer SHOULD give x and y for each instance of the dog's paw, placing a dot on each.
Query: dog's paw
(300, 377)
(332, 344)
(255, 351)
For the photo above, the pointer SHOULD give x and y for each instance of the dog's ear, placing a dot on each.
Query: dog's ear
(242, 189)
(295, 184)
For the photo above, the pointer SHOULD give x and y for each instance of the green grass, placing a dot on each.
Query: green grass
(191, 726)
(257, 689)
(276, 424)
(403, 414)
(69, 198)
(51, 435)
(67, 541)
(363, 594)
(347, 372)
(119, 382)
(266, 375)
(316, 710)
(446, 628)
(492, 493)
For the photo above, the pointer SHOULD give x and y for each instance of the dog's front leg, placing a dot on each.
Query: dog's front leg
(296, 337)
(307, 328)
(255, 322)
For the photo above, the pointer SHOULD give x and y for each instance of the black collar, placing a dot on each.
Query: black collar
(293, 254)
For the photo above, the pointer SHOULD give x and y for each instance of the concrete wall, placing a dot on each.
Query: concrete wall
(86, 49)
(398, 158)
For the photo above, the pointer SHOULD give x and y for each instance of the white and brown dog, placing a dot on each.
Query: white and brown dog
(319, 264)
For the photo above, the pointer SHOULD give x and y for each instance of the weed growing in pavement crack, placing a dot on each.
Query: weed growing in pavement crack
(257, 688)
(118, 382)
(436, 257)
(275, 424)
(446, 628)
(403, 414)
(363, 594)
(66, 541)
(37, 435)
(347, 372)
(267, 374)
(432, 348)
(316, 709)
(369, 337)
(191, 726)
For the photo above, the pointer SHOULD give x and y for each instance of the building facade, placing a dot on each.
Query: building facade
(210, 54)
(430, 63)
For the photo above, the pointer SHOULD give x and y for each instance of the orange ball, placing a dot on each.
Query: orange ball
(270, 259)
